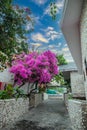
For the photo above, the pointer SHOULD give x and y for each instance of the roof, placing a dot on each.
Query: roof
(70, 26)
(69, 67)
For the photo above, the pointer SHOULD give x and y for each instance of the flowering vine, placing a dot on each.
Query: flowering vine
(34, 68)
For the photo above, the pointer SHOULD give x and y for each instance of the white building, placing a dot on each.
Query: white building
(74, 28)
(73, 25)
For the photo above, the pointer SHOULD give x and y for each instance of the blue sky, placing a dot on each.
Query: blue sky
(47, 34)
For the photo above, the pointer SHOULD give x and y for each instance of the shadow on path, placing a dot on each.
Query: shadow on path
(50, 115)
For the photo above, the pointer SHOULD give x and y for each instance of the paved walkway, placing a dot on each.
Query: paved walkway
(50, 115)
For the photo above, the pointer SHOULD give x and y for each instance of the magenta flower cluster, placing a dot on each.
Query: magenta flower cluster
(34, 67)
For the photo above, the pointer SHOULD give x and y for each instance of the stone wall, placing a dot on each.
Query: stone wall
(65, 97)
(78, 114)
(77, 84)
(12, 109)
(35, 99)
(45, 96)
(38, 99)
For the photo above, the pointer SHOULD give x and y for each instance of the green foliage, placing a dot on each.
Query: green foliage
(18, 93)
(7, 93)
(59, 79)
(41, 90)
(61, 60)
(13, 21)
(70, 96)
(3, 60)
(4, 94)
(11, 92)
(53, 10)
(60, 90)
(68, 85)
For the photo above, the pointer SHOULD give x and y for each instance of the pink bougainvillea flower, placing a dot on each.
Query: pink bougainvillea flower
(45, 76)
(34, 67)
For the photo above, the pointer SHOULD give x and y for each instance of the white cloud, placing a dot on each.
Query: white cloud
(40, 2)
(69, 59)
(29, 26)
(51, 34)
(67, 54)
(38, 37)
(36, 44)
(51, 46)
(47, 11)
(50, 28)
(59, 44)
(60, 4)
(65, 49)
(65, 45)
(42, 48)
(55, 46)
(36, 19)
(54, 50)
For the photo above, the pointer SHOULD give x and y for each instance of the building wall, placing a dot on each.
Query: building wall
(77, 84)
(6, 76)
(83, 29)
(84, 34)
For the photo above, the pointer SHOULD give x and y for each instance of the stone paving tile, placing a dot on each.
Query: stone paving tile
(50, 115)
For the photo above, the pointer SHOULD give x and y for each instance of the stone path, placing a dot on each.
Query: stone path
(50, 115)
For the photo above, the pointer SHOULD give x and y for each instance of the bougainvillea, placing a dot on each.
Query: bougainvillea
(34, 67)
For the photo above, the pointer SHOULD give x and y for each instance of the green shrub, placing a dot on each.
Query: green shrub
(11, 92)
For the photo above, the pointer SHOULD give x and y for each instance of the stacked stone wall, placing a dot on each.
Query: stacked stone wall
(77, 84)
(11, 110)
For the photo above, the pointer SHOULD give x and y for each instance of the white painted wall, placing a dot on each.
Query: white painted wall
(83, 29)
(6, 76)
(71, 29)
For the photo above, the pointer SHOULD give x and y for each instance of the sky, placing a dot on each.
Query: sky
(47, 34)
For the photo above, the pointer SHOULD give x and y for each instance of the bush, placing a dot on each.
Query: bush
(11, 92)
